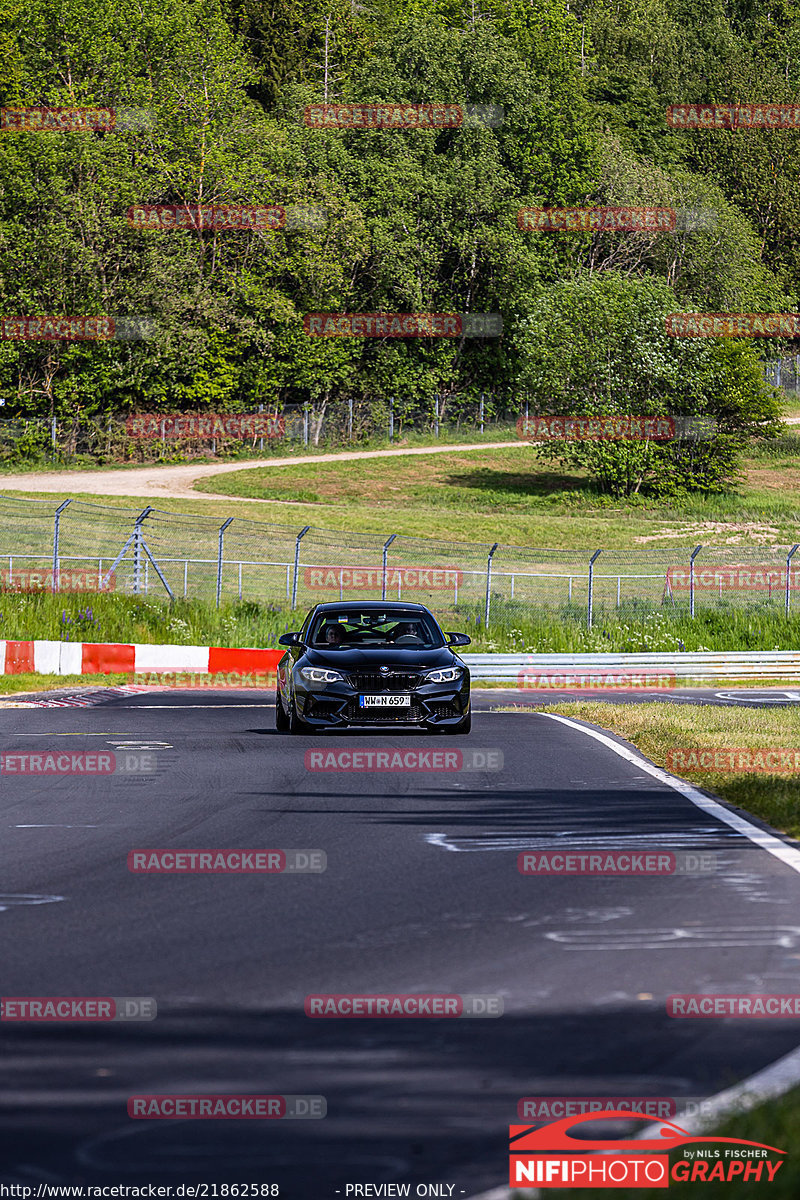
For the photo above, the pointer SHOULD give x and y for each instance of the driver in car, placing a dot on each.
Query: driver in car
(332, 635)
(407, 629)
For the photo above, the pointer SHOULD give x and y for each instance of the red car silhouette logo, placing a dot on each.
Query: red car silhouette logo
(543, 1139)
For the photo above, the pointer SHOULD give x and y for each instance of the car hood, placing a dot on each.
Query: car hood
(357, 659)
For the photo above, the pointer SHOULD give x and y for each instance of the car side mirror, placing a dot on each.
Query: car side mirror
(290, 639)
(458, 639)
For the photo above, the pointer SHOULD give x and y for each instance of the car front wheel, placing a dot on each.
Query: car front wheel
(295, 725)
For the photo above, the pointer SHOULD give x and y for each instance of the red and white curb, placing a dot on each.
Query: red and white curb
(105, 658)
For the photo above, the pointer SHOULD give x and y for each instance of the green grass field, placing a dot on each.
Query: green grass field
(505, 495)
(512, 496)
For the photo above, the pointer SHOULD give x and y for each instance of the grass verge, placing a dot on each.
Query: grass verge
(657, 728)
(515, 626)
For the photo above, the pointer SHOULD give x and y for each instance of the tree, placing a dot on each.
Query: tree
(598, 346)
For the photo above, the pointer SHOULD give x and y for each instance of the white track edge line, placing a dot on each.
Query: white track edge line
(768, 1083)
(760, 837)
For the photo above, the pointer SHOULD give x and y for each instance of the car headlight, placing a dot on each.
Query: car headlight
(444, 675)
(320, 675)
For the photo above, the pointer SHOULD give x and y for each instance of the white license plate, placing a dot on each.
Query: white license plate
(396, 700)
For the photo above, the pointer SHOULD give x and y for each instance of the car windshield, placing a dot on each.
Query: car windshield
(352, 627)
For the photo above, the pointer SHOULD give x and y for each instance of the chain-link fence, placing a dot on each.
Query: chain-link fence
(160, 436)
(75, 546)
(783, 373)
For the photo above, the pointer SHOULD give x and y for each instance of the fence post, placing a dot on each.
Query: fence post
(385, 551)
(56, 522)
(300, 535)
(137, 547)
(481, 412)
(488, 584)
(350, 418)
(589, 610)
(789, 558)
(222, 529)
(391, 418)
(694, 555)
(54, 435)
(261, 440)
(436, 414)
(305, 426)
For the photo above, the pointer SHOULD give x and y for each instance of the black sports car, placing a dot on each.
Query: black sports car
(372, 664)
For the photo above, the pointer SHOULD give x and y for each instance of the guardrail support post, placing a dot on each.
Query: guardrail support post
(789, 558)
(383, 578)
(488, 584)
(222, 529)
(694, 555)
(56, 523)
(300, 536)
(589, 610)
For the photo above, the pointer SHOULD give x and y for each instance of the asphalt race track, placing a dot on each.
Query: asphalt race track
(421, 894)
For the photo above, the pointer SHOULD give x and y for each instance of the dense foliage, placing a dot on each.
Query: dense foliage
(417, 220)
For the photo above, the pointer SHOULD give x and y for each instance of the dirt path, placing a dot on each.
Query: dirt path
(178, 481)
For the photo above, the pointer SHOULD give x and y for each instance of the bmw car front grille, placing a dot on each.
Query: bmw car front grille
(394, 682)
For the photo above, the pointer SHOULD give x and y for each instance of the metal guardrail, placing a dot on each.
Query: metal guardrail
(751, 664)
